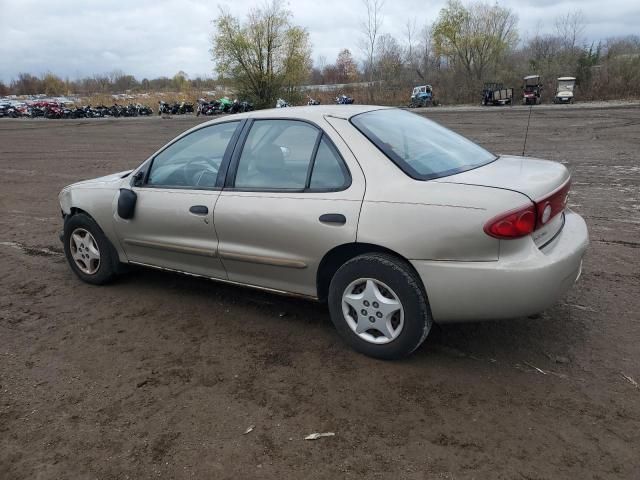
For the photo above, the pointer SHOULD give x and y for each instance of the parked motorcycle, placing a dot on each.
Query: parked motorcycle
(77, 112)
(206, 107)
(224, 105)
(174, 109)
(246, 106)
(53, 110)
(8, 110)
(239, 107)
(143, 110)
(344, 100)
(163, 107)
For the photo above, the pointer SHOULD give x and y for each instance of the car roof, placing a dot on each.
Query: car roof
(566, 78)
(529, 77)
(311, 112)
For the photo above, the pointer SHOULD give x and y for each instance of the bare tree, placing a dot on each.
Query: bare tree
(410, 34)
(346, 67)
(389, 58)
(371, 29)
(570, 28)
(426, 60)
(322, 62)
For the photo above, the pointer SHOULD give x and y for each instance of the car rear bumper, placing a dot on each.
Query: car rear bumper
(525, 280)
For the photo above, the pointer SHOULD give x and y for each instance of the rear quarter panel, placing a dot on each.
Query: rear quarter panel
(424, 220)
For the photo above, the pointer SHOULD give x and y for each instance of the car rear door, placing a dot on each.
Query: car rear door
(172, 226)
(293, 192)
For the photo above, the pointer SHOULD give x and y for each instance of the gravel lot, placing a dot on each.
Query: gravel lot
(159, 375)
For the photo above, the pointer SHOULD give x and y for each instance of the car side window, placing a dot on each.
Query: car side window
(328, 170)
(194, 160)
(277, 155)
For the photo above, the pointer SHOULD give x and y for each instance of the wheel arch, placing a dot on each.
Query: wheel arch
(77, 210)
(339, 255)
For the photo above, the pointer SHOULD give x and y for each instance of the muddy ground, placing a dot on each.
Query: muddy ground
(159, 375)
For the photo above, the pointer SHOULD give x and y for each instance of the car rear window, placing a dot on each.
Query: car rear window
(422, 148)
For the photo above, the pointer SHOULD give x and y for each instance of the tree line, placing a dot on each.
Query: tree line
(265, 55)
(109, 83)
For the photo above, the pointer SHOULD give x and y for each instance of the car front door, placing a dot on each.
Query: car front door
(293, 192)
(177, 191)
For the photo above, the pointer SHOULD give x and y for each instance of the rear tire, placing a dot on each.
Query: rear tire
(357, 316)
(89, 252)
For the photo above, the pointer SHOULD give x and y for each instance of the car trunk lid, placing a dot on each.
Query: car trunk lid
(544, 182)
(532, 177)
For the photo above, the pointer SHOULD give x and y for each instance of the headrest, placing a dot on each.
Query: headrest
(269, 159)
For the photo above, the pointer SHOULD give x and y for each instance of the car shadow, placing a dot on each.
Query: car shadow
(552, 333)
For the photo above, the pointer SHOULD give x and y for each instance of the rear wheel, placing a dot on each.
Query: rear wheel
(379, 307)
(89, 252)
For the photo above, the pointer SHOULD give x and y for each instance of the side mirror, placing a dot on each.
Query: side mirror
(138, 178)
(127, 203)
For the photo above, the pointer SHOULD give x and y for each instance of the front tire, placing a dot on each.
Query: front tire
(89, 252)
(379, 306)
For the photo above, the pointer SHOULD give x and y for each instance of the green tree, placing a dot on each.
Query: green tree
(180, 81)
(53, 85)
(476, 37)
(265, 56)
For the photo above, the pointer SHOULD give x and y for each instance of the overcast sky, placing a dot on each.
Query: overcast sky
(150, 38)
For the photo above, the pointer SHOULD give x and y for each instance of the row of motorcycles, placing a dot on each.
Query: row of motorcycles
(340, 100)
(55, 110)
(174, 108)
(203, 107)
(222, 105)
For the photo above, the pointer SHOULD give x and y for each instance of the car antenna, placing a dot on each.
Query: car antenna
(524, 147)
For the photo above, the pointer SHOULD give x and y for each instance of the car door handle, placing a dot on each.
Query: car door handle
(199, 210)
(336, 218)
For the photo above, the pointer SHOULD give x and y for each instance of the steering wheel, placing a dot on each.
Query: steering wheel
(195, 169)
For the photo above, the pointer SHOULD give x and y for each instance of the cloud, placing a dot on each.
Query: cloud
(150, 38)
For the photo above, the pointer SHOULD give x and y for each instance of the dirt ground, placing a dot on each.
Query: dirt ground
(159, 375)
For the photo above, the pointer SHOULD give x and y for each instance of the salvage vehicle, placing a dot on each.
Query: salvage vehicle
(495, 94)
(532, 90)
(394, 220)
(421, 96)
(564, 92)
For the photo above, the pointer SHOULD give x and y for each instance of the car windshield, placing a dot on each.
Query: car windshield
(565, 85)
(421, 148)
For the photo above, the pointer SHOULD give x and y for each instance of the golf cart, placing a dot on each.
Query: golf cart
(495, 94)
(532, 90)
(421, 96)
(564, 92)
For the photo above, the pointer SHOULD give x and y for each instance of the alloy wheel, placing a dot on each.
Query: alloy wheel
(373, 310)
(84, 251)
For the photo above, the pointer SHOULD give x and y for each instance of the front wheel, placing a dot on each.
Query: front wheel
(89, 252)
(379, 306)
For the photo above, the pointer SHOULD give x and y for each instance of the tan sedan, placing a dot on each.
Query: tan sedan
(394, 220)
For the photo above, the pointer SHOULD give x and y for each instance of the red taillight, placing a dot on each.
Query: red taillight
(513, 224)
(554, 203)
(523, 221)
